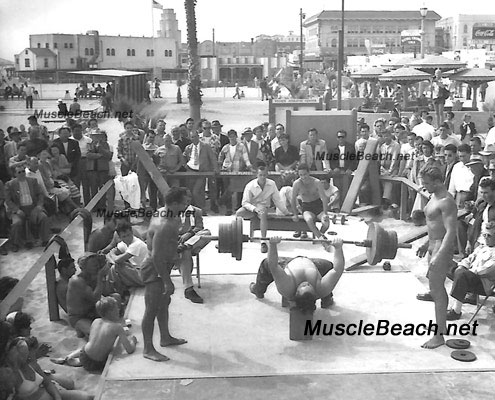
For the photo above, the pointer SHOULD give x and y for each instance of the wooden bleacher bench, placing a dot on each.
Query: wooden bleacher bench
(279, 223)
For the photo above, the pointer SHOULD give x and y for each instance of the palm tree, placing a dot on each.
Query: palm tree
(194, 76)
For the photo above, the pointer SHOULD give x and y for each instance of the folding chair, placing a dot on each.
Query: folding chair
(491, 292)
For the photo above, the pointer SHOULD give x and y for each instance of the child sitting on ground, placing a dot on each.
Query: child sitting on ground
(102, 335)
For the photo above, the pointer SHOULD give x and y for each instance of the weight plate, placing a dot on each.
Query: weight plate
(239, 238)
(458, 344)
(463, 355)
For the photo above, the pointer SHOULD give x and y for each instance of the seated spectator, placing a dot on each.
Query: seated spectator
(120, 217)
(313, 201)
(332, 195)
(104, 331)
(257, 197)
(55, 187)
(286, 156)
(127, 258)
(475, 273)
(191, 243)
(85, 290)
(20, 323)
(100, 238)
(26, 370)
(20, 159)
(418, 218)
(8, 283)
(24, 200)
(60, 165)
(66, 270)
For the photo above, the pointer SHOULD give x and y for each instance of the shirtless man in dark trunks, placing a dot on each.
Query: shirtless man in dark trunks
(441, 220)
(162, 244)
(84, 290)
(300, 281)
(314, 205)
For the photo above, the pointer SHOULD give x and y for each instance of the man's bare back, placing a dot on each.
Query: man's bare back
(101, 338)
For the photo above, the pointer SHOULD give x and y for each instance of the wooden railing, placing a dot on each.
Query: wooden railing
(44, 259)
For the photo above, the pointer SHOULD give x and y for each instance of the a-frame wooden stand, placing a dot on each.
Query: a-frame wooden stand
(367, 167)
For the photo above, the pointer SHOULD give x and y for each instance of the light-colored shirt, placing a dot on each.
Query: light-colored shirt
(451, 139)
(461, 179)
(37, 175)
(25, 195)
(137, 249)
(170, 159)
(193, 162)
(254, 196)
(83, 144)
(425, 130)
(482, 258)
(341, 158)
(275, 144)
(490, 140)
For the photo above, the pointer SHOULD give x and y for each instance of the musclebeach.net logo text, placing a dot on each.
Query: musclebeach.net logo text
(383, 327)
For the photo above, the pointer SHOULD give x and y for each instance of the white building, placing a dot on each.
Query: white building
(468, 32)
(66, 52)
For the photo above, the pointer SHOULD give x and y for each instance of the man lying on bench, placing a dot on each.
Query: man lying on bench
(300, 280)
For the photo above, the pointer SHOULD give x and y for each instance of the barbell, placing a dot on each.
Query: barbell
(380, 243)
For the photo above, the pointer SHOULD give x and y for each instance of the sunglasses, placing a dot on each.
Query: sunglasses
(341, 137)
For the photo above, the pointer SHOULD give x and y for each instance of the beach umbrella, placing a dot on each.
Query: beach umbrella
(474, 77)
(405, 76)
(399, 63)
(432, 63)
(368, 75)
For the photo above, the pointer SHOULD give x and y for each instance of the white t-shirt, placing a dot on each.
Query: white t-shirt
(232, 150)
(83, 144)
(137, 249)
(425, 130)
(341, 158)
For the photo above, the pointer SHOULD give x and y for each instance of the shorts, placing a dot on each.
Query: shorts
(315, 207)
(439, 100)
(89, 364)
(149, 273)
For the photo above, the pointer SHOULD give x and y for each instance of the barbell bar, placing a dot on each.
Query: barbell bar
(380, 243)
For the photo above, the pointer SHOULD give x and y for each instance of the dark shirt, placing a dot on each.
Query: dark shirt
(286, 157)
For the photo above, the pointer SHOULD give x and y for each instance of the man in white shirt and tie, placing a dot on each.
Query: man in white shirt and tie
(199, 158)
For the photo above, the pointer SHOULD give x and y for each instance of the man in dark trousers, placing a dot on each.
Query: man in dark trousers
(342, 160)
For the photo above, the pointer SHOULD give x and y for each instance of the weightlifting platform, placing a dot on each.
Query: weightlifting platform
(233, 335)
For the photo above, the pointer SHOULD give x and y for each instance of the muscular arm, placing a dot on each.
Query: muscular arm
(293, 200)
(449, 217)
(129, 345)
(331, 278)
(323, 197)
(285, 284)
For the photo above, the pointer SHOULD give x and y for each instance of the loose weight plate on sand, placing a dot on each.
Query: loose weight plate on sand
(458, 344)
(463, 355)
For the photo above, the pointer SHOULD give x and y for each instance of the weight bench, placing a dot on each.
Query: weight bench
(279, 223)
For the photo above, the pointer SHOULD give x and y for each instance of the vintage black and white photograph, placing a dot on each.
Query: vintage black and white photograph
(221, 199)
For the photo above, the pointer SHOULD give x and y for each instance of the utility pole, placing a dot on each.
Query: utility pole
(301, 56)
(340, 63)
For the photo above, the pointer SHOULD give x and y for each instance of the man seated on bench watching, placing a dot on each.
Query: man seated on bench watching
(191, 242)
(127, 258)
(475, 273)
(314, 201)
(256, 199)
(301, 280)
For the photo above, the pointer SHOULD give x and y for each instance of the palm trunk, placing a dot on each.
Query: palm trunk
(194, 75)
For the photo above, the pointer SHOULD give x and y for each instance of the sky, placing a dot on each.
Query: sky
(233, 20)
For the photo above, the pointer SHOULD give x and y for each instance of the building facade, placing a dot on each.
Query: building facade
(66, 52)
(463, 32)
(365, 33)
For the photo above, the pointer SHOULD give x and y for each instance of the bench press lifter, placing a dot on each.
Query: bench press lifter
(303, 280)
